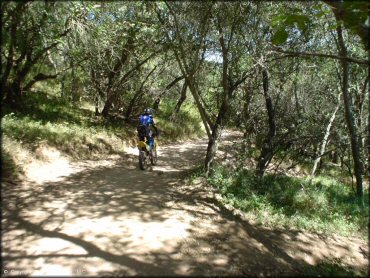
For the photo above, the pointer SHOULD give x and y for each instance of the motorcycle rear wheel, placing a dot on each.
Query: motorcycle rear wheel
(142, 160)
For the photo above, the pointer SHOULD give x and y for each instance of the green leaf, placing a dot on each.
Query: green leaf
(300, 20)
(280, 36)
(290, 19)
(276, 20)
(319, 14)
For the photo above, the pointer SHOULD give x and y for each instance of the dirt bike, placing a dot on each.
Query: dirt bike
(147, 154)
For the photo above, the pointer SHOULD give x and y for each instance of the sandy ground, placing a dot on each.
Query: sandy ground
(107, 217)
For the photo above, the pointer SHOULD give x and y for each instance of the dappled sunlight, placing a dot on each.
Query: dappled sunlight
(110, 218)
(120, 210)
(258, 113)
(300, 247)
(143, 237)
(176, 158)
(53, 166)
(38, 251)
(132, 150)
(129, 233)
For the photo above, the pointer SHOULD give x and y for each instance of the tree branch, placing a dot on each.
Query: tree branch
(312, 54)
(177, 79)
(171, 84)
(43, 51)
(38, 77)
(137, 66)
(178, 35)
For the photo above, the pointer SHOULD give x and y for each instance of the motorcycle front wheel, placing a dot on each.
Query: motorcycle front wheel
(154, 157)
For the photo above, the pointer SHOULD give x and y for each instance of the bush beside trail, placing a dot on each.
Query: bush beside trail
(321, 205)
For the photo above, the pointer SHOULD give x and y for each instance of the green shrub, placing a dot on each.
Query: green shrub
(9, 169)
(72, 129)
(322, 205)
(71, 138)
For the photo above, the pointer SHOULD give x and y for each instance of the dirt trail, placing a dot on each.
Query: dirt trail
(110, 218)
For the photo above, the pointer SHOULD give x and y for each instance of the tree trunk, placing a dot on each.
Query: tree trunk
(297, 105)
(6, 87)
(203, 114)
(73, 90)
(368, 136)
(96, 105)
(349, 112)
(107, 106)
(180, 100)
(13, 96)
(248, 127)
(359, 100)
(138, 94)
(267, 147)
(190, 81)
(347, 16)
(187, 72)
(226, 86)
(216, 134)
(132, 103)
(325, 140)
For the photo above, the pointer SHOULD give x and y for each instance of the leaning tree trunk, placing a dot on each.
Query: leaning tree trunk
(216, 134)
(205, 118)
(348, 108)
(325, 140)
(180, 100)
(132, 103)
(267, 147)
(217, 127)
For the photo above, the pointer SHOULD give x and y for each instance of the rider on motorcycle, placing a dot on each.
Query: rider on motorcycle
(145, 126)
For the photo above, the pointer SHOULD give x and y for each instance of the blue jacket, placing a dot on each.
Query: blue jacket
(146, 120)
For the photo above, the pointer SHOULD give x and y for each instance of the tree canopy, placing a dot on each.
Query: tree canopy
(292, 76)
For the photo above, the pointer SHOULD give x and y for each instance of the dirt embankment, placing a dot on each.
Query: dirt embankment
(107, 217)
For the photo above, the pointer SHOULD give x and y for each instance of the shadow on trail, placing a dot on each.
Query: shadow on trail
(121, 220)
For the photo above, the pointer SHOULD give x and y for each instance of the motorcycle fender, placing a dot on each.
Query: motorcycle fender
(141, 145)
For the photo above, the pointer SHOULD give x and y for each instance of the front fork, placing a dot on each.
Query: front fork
(150, 143)
(147, 146)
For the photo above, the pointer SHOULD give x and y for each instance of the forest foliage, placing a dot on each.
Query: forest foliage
(293, 77)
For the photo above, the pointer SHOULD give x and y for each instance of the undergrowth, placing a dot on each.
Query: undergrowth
(184, 125)
(9, 168)
(68, 137)
(48, 120)
(73, 129)
(322, 205)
